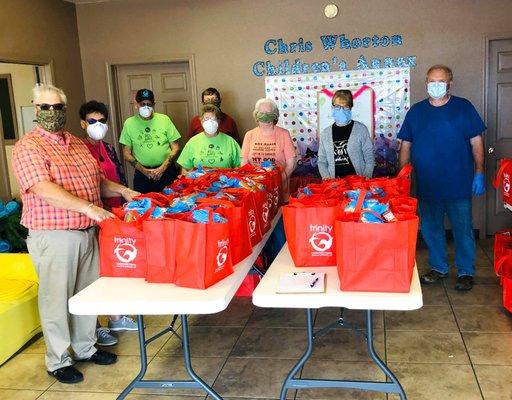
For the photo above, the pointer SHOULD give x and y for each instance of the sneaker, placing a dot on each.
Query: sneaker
(105, 338)
(464, 283)
(123, 324)
(432, 277)
(101, 357)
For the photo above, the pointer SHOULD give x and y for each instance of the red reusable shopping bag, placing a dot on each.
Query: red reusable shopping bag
(310, 234)
(248, 199)
(248, 285)
(374, 257)
(203, 257)
(503, 253)
(161, 254)
(122, 248)
(507, 293)
(239, 236)
(504, 179)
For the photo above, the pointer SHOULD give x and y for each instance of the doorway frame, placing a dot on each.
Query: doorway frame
(113, 90)
(46, 67)
(485, 102)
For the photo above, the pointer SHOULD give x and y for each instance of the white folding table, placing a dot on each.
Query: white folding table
(135, 296)
(265, 296)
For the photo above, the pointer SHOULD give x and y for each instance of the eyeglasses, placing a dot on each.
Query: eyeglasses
(338, 107)
(46, 107)
(92, 121)
(146, 104)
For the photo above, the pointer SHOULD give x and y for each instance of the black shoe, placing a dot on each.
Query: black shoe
(67, 375)
(101, 357)
(432, 277)
(464, 283)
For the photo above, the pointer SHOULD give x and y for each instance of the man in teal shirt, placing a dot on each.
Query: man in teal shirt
(150, 145)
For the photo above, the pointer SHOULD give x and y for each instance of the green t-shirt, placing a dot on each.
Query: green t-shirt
(220, 151)
(149, 139)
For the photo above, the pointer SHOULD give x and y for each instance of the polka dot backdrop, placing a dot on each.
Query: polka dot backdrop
(296, 96)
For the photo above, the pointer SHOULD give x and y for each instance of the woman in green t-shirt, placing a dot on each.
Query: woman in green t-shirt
(210, 148)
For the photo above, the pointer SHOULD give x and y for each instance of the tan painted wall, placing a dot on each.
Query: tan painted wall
(23, 79)
(43, 31)
(227, 37)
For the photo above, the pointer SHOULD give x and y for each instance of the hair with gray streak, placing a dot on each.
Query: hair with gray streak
(41, 88)
(272, 103)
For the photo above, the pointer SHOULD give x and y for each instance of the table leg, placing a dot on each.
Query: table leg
(143, 359)
(377, 360)
(188, 363)
(288, 383)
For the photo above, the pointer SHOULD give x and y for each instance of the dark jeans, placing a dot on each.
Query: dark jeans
(141, 183)
(432, 229)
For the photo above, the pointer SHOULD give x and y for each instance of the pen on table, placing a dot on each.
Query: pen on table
(314, 282)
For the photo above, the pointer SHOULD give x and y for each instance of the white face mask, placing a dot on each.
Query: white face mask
(210, 126)
(437, 90)
(97, 131)
(145, 111)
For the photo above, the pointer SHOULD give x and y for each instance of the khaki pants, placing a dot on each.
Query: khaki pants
(66, 262)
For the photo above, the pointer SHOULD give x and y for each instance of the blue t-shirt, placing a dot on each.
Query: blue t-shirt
(440, 147)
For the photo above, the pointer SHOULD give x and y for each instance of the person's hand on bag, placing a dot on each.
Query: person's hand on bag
(96, 213)
(129, 194)
(479, 184)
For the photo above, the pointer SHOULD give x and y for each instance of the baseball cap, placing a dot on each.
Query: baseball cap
(144, 94)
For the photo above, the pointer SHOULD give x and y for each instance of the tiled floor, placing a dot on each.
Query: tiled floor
(457, 347)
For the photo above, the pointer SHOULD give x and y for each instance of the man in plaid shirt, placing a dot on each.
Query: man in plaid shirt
(61, 185)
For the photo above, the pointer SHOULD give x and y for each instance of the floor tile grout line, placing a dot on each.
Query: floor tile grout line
(232, 348)
(464, 343)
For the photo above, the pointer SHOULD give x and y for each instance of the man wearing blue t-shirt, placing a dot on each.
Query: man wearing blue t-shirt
(442, 137)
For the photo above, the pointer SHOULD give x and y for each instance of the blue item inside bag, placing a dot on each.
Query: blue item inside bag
(140, 206)
(201, 217)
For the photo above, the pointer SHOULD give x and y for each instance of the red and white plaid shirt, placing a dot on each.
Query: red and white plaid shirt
(42, 156)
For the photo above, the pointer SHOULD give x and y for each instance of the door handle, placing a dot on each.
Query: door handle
(490, 150)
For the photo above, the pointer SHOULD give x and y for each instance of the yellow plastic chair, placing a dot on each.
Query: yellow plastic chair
(19, 315)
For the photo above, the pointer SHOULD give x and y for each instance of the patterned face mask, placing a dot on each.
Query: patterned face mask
(266, 117)
(51, 120)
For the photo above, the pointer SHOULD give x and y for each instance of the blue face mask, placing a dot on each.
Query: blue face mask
(342, 116)
(436, 90)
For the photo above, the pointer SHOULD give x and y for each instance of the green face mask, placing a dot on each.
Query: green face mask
(51, 120)
(266, 117)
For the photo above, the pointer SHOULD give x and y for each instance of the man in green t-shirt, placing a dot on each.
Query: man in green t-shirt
(210, 148)
(150, 145)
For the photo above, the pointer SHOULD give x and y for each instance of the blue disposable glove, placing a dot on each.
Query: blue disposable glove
(479, 184)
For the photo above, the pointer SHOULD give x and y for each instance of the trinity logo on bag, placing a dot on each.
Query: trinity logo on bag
(321, 240)
(125, 251)
(506, 183)
(276, 197)
(222, 255)
(266, 210)
(252, 222)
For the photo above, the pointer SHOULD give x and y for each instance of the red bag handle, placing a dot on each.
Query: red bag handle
(405, 171)
(503, 164)
(360, 200)
(216, 202)
(137, 221)
(499, 265)
(160, 199)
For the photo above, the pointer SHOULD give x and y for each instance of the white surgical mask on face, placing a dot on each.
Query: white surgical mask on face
(436, 90)
(145, 111)
(210, 126)
(97, 131)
